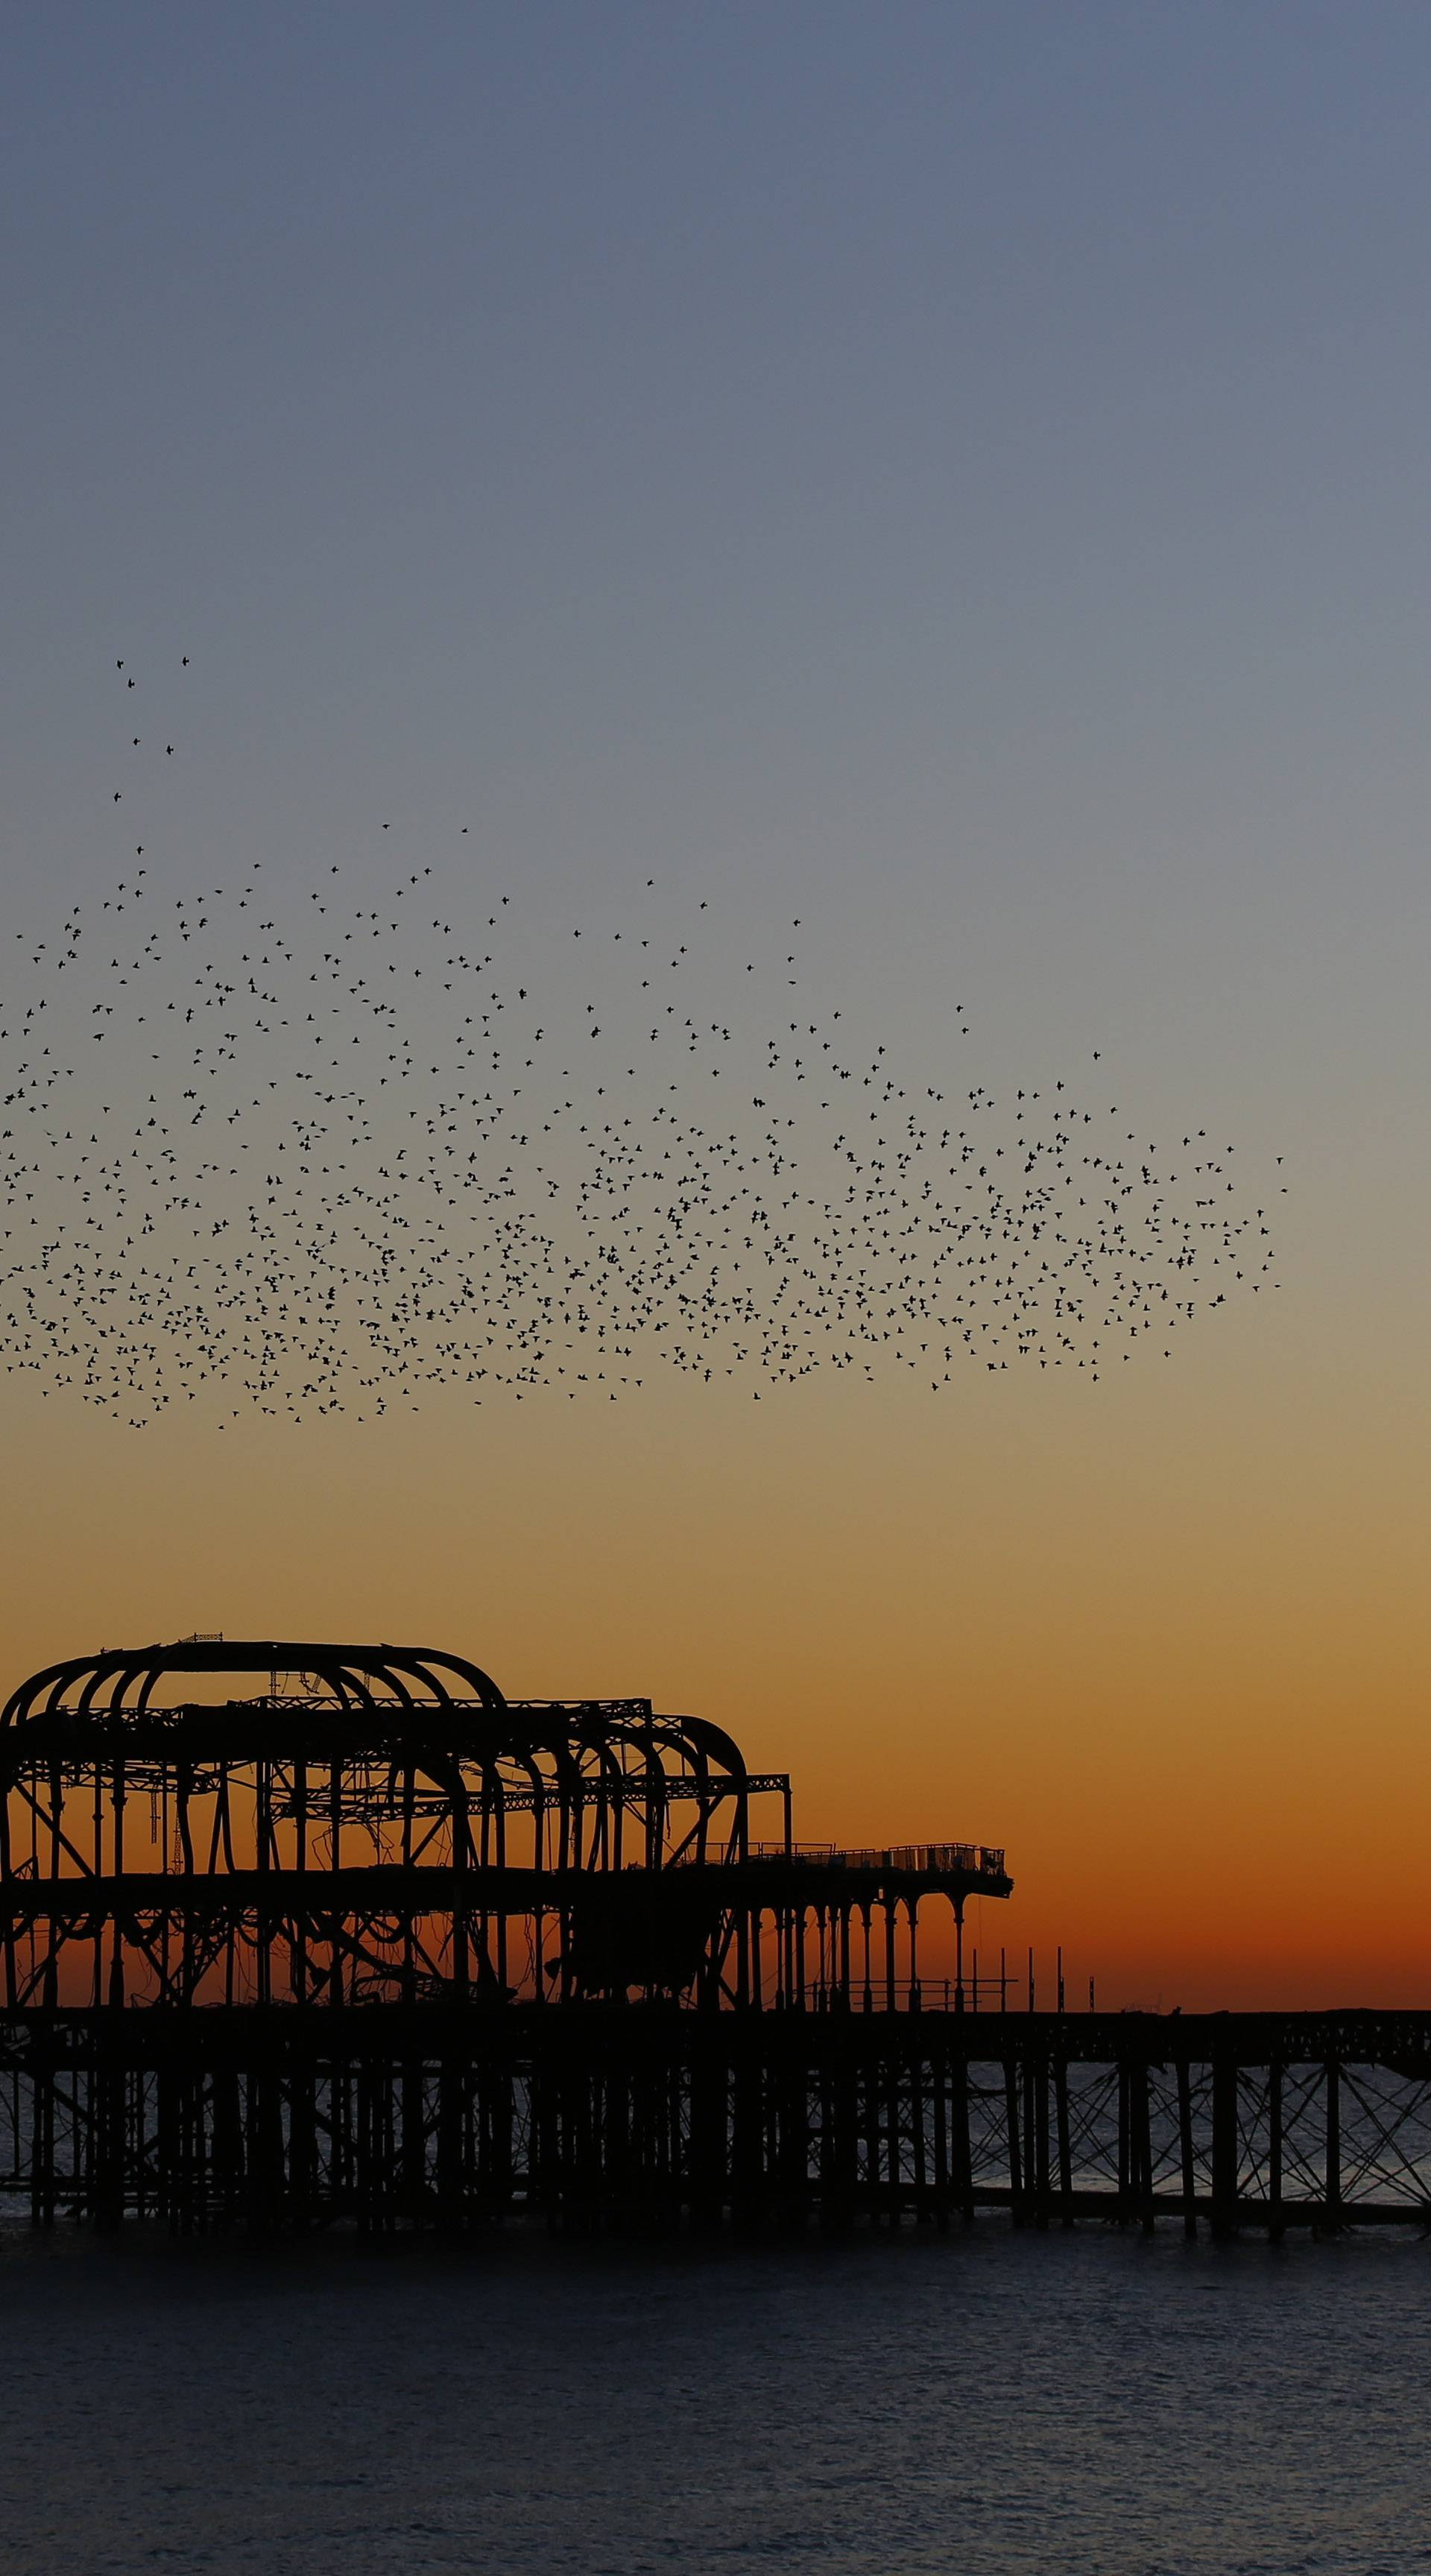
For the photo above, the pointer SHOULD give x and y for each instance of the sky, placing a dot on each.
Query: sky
(952, 474)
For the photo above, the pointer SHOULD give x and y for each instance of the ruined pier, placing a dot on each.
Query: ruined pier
(371, 1945)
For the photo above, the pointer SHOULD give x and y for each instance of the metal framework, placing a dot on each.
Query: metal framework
(354, 1937)
(597, 2117)
(379, 1824)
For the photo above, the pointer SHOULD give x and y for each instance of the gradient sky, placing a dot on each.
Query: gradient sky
(959, 472)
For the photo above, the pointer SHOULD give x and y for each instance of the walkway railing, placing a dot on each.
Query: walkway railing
(925, 1860)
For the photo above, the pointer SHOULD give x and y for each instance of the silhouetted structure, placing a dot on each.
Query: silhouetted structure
(378, 1944)
(380, 1826)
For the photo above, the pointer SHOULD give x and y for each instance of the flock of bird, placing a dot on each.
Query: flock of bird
(322, 1157)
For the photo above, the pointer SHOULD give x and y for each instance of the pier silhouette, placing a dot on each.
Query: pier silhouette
(354, 1938)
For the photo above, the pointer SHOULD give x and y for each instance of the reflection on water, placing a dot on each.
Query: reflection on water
(1015, 2403)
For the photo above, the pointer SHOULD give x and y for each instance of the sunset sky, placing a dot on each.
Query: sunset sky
(955, 475)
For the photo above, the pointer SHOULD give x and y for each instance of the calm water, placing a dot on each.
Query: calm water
(995, 2402)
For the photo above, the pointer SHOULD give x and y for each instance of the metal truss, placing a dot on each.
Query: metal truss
(598, 2116)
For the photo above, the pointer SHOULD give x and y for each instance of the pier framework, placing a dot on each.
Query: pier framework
(373, 1945)
(651, 2117)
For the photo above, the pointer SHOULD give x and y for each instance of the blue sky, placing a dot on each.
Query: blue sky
(964, 464)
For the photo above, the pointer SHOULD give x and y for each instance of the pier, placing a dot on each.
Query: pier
(371, 1945)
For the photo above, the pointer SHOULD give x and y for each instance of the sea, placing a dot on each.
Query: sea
(1080, 2404)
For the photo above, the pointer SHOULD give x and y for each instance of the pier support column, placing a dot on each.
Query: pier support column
(1065, 2151)
(1224, 2142)
(1276, 2227)
(1016, 2160)
(961, 2152)
(1333, 2186)
(1142, 2143)
(1185, 2150)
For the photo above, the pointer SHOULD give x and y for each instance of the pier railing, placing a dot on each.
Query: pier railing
(913, 1860)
